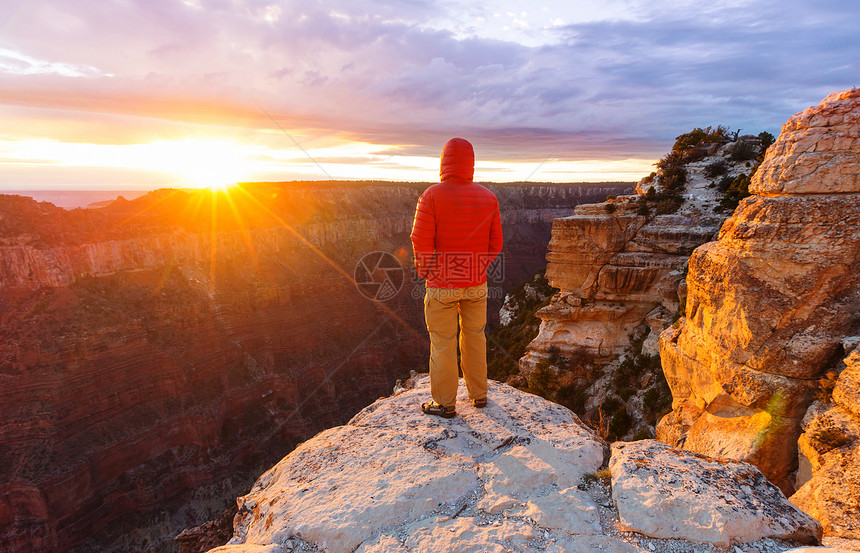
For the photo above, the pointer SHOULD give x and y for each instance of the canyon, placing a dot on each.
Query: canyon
(752, 313)
(158, 354)
(746, 292)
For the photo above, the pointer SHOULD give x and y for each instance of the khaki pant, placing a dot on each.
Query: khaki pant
(443, 307)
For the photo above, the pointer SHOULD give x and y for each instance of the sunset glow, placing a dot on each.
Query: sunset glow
(209, 164)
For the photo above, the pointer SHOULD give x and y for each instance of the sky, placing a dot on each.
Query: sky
(142, 94)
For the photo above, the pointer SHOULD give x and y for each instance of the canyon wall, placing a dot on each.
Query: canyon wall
(618, 266)
(770, 302)
(155, 355)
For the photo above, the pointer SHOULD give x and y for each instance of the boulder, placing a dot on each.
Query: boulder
(666, 492)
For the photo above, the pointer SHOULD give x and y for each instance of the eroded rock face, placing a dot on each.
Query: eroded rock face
(770, 301)
(618, 270)
(829, 457)
(612, 270)
(702, 499)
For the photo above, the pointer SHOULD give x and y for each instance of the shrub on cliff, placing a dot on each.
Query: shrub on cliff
(734, 190)
(700, 136)
(669, 204)
(674, 177)
(657, 401)
(744, 151)
(620, 423)
(506, 343)
(650, 178)
(694, 154)
(716, 169)
(766, 140)
(573, 397)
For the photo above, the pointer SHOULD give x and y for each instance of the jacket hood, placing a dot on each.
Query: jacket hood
(458, 161)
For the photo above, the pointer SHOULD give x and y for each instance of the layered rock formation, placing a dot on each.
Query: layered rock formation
(769, 303)
(618, 266)
(155, 355)
(518, 475)
(828, 479)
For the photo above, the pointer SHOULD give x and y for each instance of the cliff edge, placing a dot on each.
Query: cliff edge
(770, 302)
(521, 475)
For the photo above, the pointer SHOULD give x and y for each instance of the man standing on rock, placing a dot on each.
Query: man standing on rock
(456, 235)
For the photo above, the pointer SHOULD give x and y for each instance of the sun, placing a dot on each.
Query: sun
(216, 164)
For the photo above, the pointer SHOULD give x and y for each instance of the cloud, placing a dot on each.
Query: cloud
(414, 73)
(16, 63)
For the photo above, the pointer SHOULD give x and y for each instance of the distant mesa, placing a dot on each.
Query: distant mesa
(120, 200)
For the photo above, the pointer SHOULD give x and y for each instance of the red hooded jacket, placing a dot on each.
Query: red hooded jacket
(457, 231)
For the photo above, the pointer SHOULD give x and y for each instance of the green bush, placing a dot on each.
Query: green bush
(672, 159)
(694, 154)
(543, 381)
(657, 400)
(743, 151)
(674, 177)
(766, 140)
(620, 424)
(610, 405)
(669, 204)
(716, 169)
(724, 183)
(700, 136)
(573, 397)
(736, 191)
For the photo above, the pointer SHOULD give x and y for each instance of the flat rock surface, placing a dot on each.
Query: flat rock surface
(503, 478)
(672, 493)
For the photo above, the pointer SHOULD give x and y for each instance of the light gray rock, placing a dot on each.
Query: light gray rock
(665, 492)
(819, 550)
(272, 548)
(395, 479)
